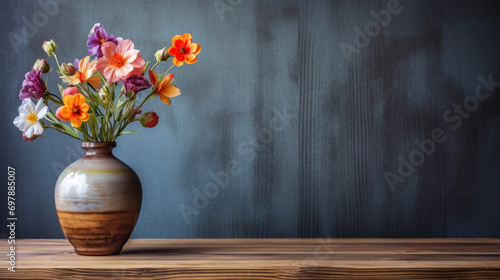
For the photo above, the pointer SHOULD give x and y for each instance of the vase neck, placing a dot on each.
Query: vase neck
(98, 148)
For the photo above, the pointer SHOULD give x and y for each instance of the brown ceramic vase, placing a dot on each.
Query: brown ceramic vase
(98, 200)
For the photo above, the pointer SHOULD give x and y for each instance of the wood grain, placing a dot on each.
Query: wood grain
(454, 258)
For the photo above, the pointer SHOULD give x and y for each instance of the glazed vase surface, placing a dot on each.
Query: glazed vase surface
(98, 199)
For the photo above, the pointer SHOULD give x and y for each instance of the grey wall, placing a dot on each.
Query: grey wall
(319, 171)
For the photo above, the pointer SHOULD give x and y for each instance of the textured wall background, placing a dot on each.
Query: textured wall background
(311, 116)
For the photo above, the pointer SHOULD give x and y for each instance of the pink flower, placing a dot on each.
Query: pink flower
(70, 91)
(119, 61)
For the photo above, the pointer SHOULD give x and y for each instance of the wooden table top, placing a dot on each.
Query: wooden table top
(450, 258)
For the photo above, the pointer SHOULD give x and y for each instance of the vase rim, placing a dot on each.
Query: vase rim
(98, 144)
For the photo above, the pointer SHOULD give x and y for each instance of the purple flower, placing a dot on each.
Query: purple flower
(97, 38)
(76, 63)
(33, 85)
(135, 83)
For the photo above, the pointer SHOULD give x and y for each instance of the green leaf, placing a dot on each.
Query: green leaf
(51, 116)
(66, 130)
(61, 88)
(103, 81)
(93, 125)
(128, 131)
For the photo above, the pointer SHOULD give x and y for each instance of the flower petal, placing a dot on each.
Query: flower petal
(30, 131)
(18, 121)
(60, 116)
(84, 116)
(84, 107)
(108, 49)
(95, 81)
(41, 114)
(191, 58)
(170, 91)
(165, 100)
(175, 39)
(124, 46)
(179, 44)
(180, 57)
(130, 56)
(76, 122)
(68, 100)
(66, 113)
(110, 74)
(38, 128)
(195, 48)
(22, 110)
(82, 66)
(29, 106)
(173, 51)
(176, 62)
(187, 42)
(78, 99)
(153, 77)
(123, 71)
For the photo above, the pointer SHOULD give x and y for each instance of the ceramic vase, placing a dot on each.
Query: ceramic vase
(98, 199)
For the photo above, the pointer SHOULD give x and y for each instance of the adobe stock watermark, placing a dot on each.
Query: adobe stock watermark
(248, 151)
(371, 29)
(222, 6)
(32, 25)
(321, 253)
(453, 116)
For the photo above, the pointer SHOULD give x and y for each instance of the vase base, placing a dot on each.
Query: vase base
(98, 234)
(98, 252)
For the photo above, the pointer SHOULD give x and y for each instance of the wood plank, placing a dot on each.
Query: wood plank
(452, 258)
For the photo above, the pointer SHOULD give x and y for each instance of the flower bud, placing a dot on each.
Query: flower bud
(70, 91)
(149, 119)
(49, 47)
(68, 69)
(162, 55)
(42, 64)
(105, 93)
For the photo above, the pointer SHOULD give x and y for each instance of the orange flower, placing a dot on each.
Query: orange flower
(183, 49)
(84, 73)
(74, 110)
(164, 89)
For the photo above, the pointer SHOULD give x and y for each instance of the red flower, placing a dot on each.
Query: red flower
(183, 49)
(149, 119)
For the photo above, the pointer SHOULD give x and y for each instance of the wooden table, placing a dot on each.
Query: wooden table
(263, 259)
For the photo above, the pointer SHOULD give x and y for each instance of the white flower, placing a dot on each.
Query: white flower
(29, 117)
(95, 25)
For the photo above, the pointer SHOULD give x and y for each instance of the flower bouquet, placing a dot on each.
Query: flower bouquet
(98, 197)
(90, 109)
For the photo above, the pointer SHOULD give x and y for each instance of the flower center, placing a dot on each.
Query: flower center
(80, 76)
(183, 50)
(102, 40)
(32, 118)
(76, 110)
(117, 60)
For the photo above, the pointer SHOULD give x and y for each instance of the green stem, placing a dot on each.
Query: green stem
(155, 65)
(56, 99)
(168, 70)
(54, 128)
